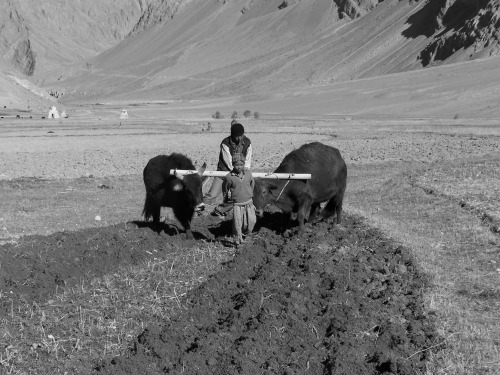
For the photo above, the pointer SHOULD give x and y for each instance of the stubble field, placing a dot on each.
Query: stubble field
(407, 284)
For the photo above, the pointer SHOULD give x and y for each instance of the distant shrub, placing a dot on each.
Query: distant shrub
(456, 117)
(234, 115)
(256, 115)
(247, 113)
(217, 115)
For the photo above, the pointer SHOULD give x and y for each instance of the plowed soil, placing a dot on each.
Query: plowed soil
(340, 300)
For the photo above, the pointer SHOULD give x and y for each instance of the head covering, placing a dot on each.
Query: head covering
(238, 157)
(237, 130)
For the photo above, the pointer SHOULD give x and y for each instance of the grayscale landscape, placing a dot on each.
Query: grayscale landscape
(408, 91)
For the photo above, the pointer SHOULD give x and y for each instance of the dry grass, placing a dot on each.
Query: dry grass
(461, 256)
(95, 320)
(475, 183)
(36, 206)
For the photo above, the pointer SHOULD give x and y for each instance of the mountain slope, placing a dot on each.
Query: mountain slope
(472, 26)
(18, 94)
(152, 50)
(220, 48)
(39, 37)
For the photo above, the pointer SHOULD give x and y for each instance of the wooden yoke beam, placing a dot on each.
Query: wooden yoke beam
(268, 175)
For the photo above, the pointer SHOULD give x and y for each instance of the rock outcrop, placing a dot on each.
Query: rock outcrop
(354, 8)
(38, 37)
(23, 56)
(155, 13)
(14, 40)
(469, 26)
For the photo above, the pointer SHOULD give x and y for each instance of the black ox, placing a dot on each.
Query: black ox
(181, 193)
(327, 184)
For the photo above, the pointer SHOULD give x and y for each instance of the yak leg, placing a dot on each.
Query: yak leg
(339, 213)
(152, 208)
(304, 209)
(185, 216)
(334, 205)
(315, 207)
(286, 217)
(155, 213)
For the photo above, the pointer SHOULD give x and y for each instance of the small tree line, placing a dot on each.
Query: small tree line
(246, 113)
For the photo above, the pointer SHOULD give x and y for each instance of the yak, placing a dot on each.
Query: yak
(327, 184)
(181, 193)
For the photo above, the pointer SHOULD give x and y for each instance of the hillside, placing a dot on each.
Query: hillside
(222, 48)
(156, 50)
(19, 96)
(39, 37)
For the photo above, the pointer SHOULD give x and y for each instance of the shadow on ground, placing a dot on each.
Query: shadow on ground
(165, 228)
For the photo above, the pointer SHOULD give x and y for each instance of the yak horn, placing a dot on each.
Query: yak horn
(178, 175)
(202, 169)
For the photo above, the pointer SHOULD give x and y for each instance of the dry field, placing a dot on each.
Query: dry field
(431, 186)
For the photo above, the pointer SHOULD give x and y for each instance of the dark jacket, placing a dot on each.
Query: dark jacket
(228, 148)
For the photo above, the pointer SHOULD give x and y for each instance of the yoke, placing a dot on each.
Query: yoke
(267, 175)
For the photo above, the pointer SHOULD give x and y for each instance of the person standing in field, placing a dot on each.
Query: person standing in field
(240, 183)
(236, 143)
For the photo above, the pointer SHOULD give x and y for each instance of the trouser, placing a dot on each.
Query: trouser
(244, 220)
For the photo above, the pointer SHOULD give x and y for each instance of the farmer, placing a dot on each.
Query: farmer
(240, 183)
(236, 143)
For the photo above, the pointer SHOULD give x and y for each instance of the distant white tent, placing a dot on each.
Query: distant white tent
(124, 114)
(53, 113)
(63, 114)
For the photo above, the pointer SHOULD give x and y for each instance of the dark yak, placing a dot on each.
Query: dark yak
(327, 184)
(181, 193)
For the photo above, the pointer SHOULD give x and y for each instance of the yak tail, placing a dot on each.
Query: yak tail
(150, 207)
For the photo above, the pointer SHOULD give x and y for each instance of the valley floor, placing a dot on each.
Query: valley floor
(431, 189)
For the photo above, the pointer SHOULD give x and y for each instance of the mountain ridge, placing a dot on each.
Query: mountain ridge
(222, 48)
(189, 49)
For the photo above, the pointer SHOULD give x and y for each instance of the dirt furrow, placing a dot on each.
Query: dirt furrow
(341, 300)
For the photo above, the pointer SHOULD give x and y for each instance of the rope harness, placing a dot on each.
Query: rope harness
(281, 192)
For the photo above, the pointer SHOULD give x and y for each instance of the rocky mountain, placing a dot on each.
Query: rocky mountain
(38, 39)
(469, 26)
(155, 13)
(161, 49)
(17, 93)
(40, 36)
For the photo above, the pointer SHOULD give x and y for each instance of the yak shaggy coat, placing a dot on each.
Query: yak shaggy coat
(327, 184)
(181, 193)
